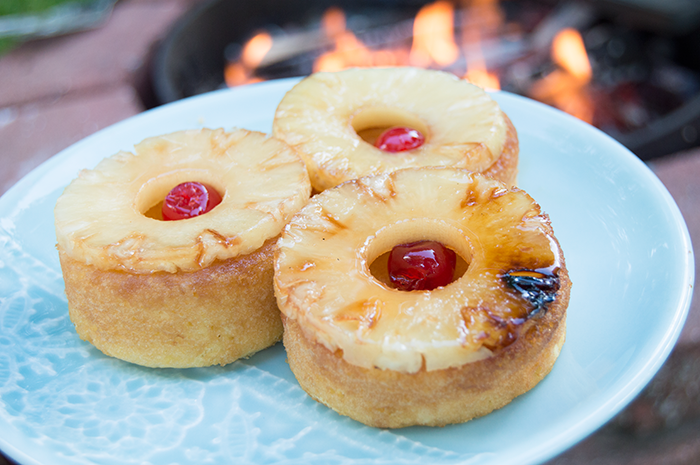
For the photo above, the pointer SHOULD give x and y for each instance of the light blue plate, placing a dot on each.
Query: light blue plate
(63, 402)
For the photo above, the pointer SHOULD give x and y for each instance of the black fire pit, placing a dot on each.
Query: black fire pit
(192, 57)
(646, 64)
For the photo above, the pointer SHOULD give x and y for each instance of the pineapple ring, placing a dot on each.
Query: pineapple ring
(324, 115)
(335, 238)
(101, 218)
(384, 356)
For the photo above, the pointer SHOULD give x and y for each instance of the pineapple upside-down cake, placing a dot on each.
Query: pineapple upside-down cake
(167, 252)
(391, 355)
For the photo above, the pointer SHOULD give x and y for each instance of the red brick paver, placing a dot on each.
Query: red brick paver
(34, 132)
(110, 55)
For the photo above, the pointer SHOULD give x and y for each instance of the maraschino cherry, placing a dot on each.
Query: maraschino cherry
(421, 266)
(399, 139)
(188, 200)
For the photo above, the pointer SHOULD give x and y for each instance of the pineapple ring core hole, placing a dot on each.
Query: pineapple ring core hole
(369, 123)
(150, 197)
(377, 248)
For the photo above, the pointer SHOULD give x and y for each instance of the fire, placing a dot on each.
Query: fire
(433, 45)
(480, 76)
(256, 49)
(569, 52)
(333, 22)
(241, 72)
(483, 18)
(433, 42)
(567, 87)
(348, 50)
(433, 36)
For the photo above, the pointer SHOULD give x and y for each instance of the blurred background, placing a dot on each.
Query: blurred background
(629, 67)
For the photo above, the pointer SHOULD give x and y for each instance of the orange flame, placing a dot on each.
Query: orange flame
(482, 18)
(433, 45)
(566, 88)
(255, 50)
(569, 52)
(241, 72)
(348, 50)
(333, 22)
(480, 76)
(433, 36)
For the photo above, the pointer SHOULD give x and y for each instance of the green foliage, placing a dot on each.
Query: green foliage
(21, 7)
(26, 7)
(6, 44)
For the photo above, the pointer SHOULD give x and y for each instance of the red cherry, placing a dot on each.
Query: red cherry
(399, 139)
(421, 266)
(188, 200)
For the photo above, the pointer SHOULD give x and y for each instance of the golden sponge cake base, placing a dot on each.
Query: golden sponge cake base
(392, 399)
(215, 315)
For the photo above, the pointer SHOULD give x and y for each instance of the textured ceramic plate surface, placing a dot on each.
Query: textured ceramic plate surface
(63, 402)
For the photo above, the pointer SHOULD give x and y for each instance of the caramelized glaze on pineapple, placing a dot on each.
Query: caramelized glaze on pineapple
(323, 278)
